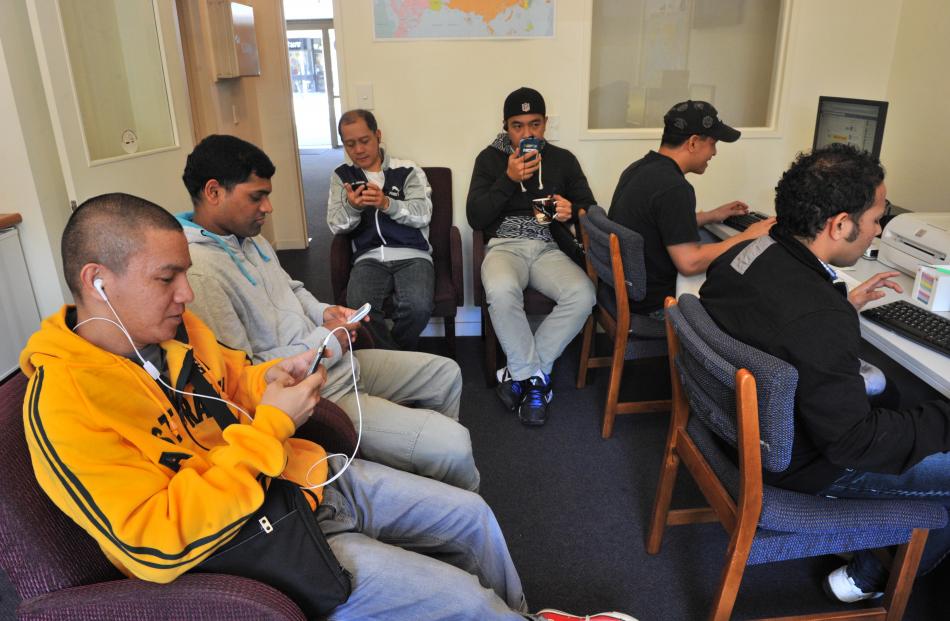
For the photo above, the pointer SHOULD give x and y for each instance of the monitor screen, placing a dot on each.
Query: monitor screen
(858, 122)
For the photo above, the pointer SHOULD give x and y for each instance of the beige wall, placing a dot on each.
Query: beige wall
(439, 102)
(31, 179)
(918, 127)
(255, 108)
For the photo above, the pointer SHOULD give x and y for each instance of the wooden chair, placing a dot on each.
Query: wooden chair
(615, 265)
(535, 303)
(727, 392)
(446, 242)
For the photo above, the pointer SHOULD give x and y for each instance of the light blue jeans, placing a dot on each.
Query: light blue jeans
(417, 549)
(510, 266)
(928, 480)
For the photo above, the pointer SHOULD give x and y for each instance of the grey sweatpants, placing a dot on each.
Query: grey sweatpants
(510, 266)
(424, 439)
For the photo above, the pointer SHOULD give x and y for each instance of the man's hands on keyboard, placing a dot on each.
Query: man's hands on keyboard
(868, 290)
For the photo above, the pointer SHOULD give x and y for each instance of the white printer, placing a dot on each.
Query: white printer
(913, 239)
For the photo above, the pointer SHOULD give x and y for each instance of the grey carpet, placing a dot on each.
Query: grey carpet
(315, 168)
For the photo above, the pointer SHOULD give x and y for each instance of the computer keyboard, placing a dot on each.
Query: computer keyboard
(741, 223)
(915, 323)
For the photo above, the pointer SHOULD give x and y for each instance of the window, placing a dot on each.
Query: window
(647, 55)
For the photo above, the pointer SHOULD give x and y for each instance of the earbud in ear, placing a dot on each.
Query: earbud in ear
(97, 283)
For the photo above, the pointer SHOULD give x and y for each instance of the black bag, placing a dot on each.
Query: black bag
(568, 244)
(282, 545)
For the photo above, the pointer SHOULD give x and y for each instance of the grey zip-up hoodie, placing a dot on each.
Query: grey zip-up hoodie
(402, 231)
(252, 304)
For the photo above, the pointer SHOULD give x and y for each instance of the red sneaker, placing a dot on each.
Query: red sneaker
(557, 615)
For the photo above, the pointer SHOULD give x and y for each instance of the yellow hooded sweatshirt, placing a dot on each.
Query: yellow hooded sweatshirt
(159, 488)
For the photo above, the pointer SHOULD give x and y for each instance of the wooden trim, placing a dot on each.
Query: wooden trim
(642, 407)
(716, 495)
(678, 418)
(699, 515)
(865, 614)
(9, 219)
(903, 573)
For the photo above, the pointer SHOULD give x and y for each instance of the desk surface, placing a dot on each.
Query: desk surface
(930, 366)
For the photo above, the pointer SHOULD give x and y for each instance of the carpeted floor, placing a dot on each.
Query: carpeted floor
(574, 508)
(315, 168)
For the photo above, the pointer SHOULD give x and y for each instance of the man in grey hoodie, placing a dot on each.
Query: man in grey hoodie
(252, 304)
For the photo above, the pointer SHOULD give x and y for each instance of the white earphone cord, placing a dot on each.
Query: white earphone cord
(154, 373)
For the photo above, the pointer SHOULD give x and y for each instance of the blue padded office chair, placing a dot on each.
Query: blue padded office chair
(727, 392)
(615, 265)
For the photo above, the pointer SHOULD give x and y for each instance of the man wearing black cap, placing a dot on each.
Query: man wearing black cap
(508, 185)
(654, 199)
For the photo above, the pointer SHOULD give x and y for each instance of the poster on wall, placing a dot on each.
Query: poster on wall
(395, 20)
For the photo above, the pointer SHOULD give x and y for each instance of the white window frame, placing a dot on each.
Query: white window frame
(772, 130)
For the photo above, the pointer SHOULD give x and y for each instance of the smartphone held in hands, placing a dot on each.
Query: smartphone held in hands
(356, 317)
(316, 359)
(529, 144)
(361, 312)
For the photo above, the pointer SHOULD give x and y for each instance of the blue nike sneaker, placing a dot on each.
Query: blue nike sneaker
(533, 410)
(509, 390)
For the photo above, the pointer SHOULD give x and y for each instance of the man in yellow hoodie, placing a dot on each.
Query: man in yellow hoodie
(161, 478)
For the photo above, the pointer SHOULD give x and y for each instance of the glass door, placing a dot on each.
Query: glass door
(316, 94)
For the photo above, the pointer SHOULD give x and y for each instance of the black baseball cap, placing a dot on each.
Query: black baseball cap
(698, 117)
(523, 101)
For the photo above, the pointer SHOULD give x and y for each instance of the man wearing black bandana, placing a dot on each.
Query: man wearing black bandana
(523, 250)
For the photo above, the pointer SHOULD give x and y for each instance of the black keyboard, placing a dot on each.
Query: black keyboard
(741, 223)
(915, 323)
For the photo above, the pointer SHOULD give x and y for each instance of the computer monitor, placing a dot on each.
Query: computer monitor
(858, 122)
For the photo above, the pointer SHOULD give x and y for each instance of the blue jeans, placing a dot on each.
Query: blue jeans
(928, 480)
(417, 548)
(410, 282)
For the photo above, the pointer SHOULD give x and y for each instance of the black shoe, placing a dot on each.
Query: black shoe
(533, 411)
(509, 390)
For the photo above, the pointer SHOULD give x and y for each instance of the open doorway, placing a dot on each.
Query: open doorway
(315, 90)
(311, 50)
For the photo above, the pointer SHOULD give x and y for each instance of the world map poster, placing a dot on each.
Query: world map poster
(462, 19)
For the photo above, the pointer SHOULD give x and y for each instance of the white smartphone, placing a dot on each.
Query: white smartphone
(361, 312)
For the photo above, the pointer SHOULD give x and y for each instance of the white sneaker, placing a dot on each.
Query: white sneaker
(839, 585)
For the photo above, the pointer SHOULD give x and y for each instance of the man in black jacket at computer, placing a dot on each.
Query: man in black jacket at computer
(778, 294)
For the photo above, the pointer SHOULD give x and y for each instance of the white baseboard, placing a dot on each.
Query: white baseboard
(468, 322)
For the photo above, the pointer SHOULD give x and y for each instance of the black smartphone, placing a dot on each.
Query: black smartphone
(357, 184)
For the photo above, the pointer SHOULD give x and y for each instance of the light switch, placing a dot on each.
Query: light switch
(364, 96)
